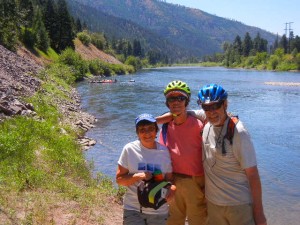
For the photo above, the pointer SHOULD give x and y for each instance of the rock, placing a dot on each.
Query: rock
(29, 106)
(18, 79)
(92, 143)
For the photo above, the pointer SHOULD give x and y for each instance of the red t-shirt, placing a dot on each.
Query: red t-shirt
(184, 142)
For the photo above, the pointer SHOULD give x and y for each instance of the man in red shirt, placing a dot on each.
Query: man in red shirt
(183, 139)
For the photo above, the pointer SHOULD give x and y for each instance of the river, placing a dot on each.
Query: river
(270, 113)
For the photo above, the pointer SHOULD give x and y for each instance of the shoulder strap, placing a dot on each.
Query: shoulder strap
(230, 128)
(233, 120)
(164, 130)
(204, 123)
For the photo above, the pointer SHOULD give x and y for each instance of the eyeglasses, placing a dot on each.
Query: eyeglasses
(147, 130)
(176, 98)
(212, 107)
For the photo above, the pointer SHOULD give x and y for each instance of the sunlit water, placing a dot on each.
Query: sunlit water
(271, 114)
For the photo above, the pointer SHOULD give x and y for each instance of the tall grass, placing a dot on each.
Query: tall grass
(41, 163)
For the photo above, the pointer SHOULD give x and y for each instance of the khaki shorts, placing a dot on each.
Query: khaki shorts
(131, 217)
(230, 215)
(189, 201)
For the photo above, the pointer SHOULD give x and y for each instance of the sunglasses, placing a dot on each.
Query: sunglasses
(212, 107)
(177, 98)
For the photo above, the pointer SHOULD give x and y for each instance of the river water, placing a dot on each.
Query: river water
(270, 113)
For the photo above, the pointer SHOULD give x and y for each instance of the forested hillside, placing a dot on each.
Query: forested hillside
(115, 28)
(193, 30)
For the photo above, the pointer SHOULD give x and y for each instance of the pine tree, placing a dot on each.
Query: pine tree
(51, 24)
(78, 25)
(237, 45)
(42, 40)
(9, 24)
(247, 44)
(128, 49)
(137, 49)
(295, 43)
(284, 43)
(256, 42)
(26, 12)
(65, 31)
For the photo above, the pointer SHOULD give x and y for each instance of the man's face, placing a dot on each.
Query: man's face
(215, 112)
(176, 103)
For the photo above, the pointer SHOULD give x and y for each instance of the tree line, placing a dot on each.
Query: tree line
(37, 23)
(45, 24)
(283, 54)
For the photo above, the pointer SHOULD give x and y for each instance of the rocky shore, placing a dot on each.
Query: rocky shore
(18, 80)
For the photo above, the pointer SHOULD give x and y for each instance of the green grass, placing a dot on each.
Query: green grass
(49, 55)
(42, 166)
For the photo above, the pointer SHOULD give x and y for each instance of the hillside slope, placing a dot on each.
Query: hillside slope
(194, 30)
(91, 52)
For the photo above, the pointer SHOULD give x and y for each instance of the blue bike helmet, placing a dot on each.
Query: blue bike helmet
(211, 93)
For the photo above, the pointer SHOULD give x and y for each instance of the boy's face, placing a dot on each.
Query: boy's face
(176, 103)
(147, 133)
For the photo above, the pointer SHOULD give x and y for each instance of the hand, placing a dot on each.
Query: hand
(143, 175)
(171, 193)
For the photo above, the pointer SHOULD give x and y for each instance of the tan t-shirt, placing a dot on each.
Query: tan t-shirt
(226, 182)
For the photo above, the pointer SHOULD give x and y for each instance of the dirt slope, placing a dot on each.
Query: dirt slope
(91, 52)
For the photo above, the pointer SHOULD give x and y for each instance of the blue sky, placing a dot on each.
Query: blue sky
(270, 15)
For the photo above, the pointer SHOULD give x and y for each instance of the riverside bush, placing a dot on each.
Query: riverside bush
(78, 66)
(98, 67)
(273, 62)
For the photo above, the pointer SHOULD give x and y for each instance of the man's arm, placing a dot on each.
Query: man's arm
(164, 118)
(167, 117)
(256, 193)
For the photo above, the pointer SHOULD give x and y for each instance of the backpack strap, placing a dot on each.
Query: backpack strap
(233, 120)
(164, 130)
(204, 123)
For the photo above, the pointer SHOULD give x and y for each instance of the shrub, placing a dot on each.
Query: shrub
(98, 40)
(297, 59)
(118, 69)
(95, 67)
(84, 38)
(273, 62)
(260, 58)
(78, 66)
(134, 61)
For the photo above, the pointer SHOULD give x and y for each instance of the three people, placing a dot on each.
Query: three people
(232, 183)
(182, 136)
(139, 160)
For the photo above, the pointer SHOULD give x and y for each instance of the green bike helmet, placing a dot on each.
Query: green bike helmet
(178, 85)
